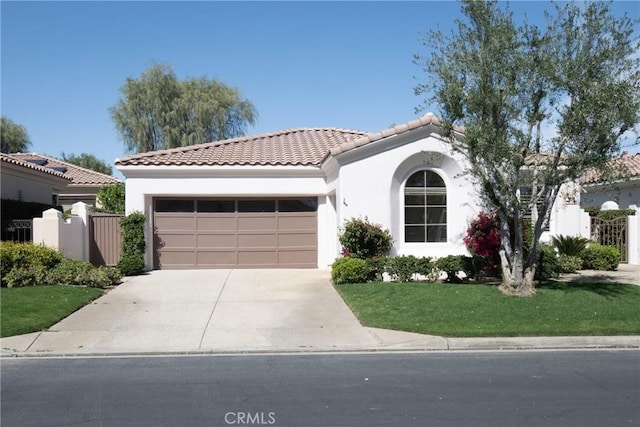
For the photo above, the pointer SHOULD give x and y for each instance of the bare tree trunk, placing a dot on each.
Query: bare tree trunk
(516, 280)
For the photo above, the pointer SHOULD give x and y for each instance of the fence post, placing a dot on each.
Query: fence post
(53, 232)
(46, 230)
(80, 210)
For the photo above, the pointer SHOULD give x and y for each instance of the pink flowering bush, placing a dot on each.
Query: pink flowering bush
(483, 240)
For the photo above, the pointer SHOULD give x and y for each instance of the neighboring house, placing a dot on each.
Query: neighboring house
(279, 199)
(29, 182)
(82, 184)
(625, 190)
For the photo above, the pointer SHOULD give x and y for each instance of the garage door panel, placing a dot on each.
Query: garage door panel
(257, 241)
(175, 222)
(210, 223)
(257, 223)
(176, 240)
(217, 258)
(175, 257)
(295, 222)
(249, 258)
(216, 241)
(298, 257)
(297, 240)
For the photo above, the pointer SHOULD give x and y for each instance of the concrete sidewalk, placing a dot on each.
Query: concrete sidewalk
(230, 311)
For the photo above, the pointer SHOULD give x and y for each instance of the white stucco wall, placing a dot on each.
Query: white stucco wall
(373, 186)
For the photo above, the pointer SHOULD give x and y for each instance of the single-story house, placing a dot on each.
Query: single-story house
(82, 184)
(624, 190)
(279, 199)
(29, 182)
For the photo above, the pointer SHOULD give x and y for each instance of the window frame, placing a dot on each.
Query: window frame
(426, 191)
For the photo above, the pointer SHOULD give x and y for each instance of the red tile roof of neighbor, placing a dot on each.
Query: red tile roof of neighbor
(79, 176)
(14, 161)
(625, 166)
(298, 147)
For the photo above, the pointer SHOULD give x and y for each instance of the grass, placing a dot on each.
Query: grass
(34, 308)
(481, 310)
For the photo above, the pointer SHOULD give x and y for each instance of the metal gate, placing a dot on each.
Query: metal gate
(611, 232)
(105, 239)
(17, 230)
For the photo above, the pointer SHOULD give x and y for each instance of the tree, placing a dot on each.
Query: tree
(14, 136)
(111, 198)
(88, 161)
(509, 85)
(158, 111)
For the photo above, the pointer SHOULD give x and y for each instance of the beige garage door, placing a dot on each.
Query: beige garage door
(246, 233)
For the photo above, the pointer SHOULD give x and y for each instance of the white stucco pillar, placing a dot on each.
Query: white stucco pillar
(46, 230)
(81, 211)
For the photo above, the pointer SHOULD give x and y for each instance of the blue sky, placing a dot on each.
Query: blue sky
(303, 64)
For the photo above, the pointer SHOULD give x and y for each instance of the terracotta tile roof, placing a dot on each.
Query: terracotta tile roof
(79, 176)
(299, 147)
(626, 166)
(9, 159)
(426, 120)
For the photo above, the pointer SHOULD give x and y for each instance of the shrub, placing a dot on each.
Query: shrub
(25, 276)
(361, 239)
(483, 242)
(25, 256)
(402, 268)
(25, 264)
(453, 264)
(547, 266)
(427, 267)
(350, 270)
(72, 272)
(131, 264)
(377, 267)
(599, 257)
(133, 244)
(569, 245)
(569, 263)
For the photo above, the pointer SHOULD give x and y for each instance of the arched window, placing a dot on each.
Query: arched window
(425, 208)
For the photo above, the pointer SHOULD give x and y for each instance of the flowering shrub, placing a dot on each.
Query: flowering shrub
(483, 235)
(483, 239)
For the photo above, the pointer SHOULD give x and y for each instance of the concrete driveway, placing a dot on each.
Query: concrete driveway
(212, 310)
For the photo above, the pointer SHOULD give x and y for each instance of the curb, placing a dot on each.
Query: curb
(418, 346)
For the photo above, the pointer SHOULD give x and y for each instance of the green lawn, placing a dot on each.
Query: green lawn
(34, 308)
(482, 310)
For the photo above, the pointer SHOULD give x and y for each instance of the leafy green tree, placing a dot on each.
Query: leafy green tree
(111, 198)
(158, 111)
(88, 161)
(15, 138)
(538, 105)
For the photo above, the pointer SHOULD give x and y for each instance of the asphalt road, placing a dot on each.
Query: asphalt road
(581, 388)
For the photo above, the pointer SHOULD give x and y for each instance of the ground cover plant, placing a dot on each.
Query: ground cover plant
(481, 310)
(26, 264)
(34, 308)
